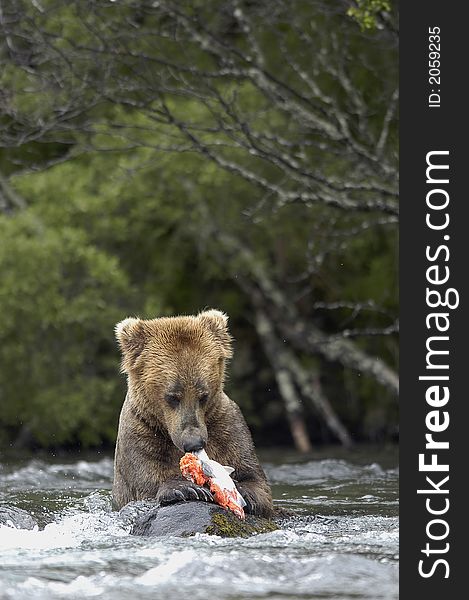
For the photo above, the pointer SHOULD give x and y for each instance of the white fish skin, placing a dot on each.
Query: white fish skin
(220, 474)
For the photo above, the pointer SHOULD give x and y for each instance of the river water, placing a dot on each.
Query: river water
(342, 545)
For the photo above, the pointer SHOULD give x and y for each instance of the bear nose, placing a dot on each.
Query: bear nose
(193, 444)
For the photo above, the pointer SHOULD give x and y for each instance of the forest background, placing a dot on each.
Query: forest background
(158, 158)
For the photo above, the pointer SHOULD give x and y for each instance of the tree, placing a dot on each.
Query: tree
(287, 109)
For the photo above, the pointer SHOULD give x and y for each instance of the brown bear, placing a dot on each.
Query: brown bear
(175, 403)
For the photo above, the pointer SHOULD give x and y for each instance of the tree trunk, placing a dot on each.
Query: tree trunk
(286, 386)
(311, 388)
(291, 375)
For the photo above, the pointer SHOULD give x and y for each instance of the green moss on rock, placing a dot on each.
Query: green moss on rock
(228, 525)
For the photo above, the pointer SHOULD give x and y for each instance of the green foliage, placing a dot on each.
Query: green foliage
(125, 226)
(105, 237)
(60, 297)
(366, 11)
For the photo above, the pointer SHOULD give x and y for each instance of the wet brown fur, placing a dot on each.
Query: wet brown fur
(183, 357)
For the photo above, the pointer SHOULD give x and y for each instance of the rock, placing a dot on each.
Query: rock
(16, 517)
(188, 518)
(132, 511)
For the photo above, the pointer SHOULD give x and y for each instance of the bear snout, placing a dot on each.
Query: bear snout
(193, 443)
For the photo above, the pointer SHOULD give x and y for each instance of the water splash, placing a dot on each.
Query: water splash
(83, 549)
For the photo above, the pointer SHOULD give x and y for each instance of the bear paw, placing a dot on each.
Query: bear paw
(175, 491)
(252, 505)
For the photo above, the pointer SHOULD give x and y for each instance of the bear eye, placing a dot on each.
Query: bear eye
(203, 398)
(172, 400)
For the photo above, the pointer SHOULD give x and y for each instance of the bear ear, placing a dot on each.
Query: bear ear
(130, 334)
(217, 322)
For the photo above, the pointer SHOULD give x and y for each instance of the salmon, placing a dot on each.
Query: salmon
(201, 470)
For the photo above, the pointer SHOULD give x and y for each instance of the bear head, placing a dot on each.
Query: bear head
(175, 368)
